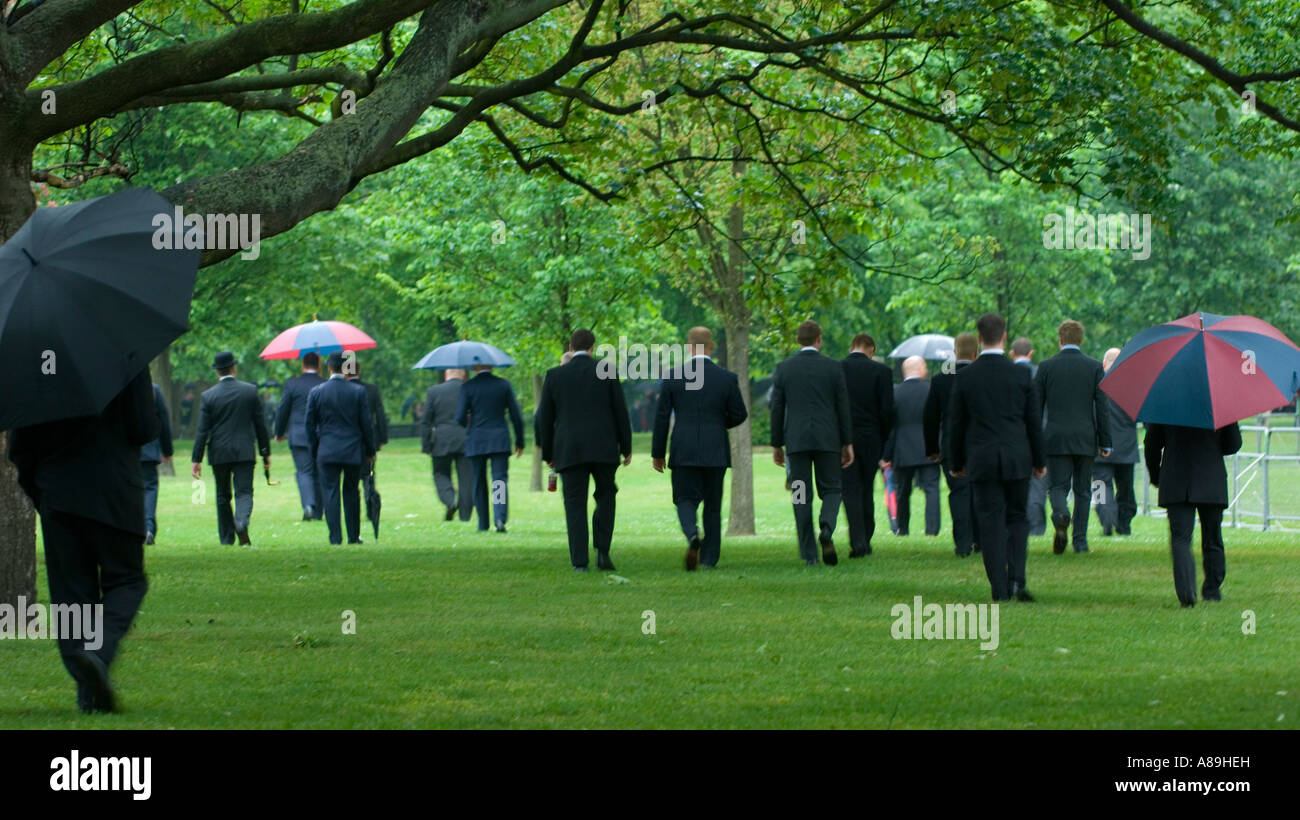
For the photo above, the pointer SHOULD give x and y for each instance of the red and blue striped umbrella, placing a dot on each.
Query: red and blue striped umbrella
(319, 337)
(1204, 371)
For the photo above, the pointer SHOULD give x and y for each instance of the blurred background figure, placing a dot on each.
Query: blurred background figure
(905, 449)
(484, 403)
(291, 420)
(151, 454)
(444, 440)
(1022, 353)
(1118, 503)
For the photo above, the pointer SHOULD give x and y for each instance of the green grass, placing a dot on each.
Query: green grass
(461, 630)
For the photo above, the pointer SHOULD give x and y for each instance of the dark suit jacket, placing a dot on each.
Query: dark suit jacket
(378, 418)
(906, 444)
(230, 415)
(440, 435)
(582, 416)
(703, 416)
(871, 397)
(810, 404)
(997, 431)
(90, 466)
(154, 451)
(291, 415)
(340, 429)
(1186, 463)
(938, 414)
(1078, 421)
(484, 403)
(1123, 436)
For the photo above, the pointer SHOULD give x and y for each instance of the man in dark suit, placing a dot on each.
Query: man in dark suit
(938, 445)
(811, 419)
(703, 401)
(871, 404)
(444, 440)
(230, 416)
(1022, 353)
(378, 418)
(340, 431)
(583, 429)
(997, 442)
(83, 477)
(485, 402)
(151, 454)
(291, 418)
(1186, 463)
(1114, 476)
(905, 451)
(1076, 432)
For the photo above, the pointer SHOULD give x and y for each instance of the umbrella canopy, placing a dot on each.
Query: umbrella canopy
(463, 355)
(933, 347)
(86, 302)
(318, 337)
(1204, 371)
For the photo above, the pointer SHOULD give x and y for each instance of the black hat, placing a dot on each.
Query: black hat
(223, 360)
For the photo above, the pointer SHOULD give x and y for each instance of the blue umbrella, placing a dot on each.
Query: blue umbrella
(464, 355)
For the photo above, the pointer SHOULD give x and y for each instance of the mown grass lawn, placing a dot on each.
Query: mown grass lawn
(456, 629)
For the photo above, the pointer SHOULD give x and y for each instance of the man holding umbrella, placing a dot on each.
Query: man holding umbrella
(484, 403)
(291, 419)
(342, 438)
(230, 415)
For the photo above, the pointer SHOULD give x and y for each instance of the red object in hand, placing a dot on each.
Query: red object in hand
(550, 482)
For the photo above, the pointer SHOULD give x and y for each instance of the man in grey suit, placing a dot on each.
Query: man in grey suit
(230, 415)
(151, 454)
(1114, 475)
(444, 440)
(291, 418)
(905, 450)
(1022, 353)
(811, 419)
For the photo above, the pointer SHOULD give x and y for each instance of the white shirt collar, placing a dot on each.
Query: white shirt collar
(336, 375)
(809, 347)
(578, 353)
(993, 351)
(223, 378)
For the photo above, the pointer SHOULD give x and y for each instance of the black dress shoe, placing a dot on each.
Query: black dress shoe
(1107, 531)
(693, 554)
(858, 553)
(93, 675)
(579, 569)
(243, 537)
(603, 562)
(307, 517)
(501, 528)
(966, 554)
(1211, 595)
(1060, 538)
(810, 562)
(1188, 604)
(1022, 594)
(148, 538)
(355, 541)
(450, 514)
(828, 549)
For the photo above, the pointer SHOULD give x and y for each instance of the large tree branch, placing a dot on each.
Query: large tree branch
(1237, 82)
(50, 28)
(317, 173)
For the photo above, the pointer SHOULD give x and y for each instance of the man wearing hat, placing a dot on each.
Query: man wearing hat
(230, 415)
(341, 432)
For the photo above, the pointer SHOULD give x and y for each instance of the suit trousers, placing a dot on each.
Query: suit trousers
(500, 500)
(1036, 510)
(149, 475)
(447, 492)
(961, 506)
(575, 479)
(1119, 504)
(1003, 532)
(89, 562)
(859, 480)
(829, 490)
(351, 497)
(309, 487)
(240, 473)
(1182, 518)
(927, 476)
(1064, 473)
(691, 486)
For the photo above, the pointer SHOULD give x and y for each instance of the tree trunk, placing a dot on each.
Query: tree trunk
(535, 481)
(17, 519)
(740, 519)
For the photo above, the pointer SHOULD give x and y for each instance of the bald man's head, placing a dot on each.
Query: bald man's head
(1109, 358)
(914, 367)
(699, 341)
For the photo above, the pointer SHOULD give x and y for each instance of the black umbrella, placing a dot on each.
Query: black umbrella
(86, 302)
(372, 500)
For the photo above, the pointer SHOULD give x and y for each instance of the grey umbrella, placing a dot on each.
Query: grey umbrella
(932, 347)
